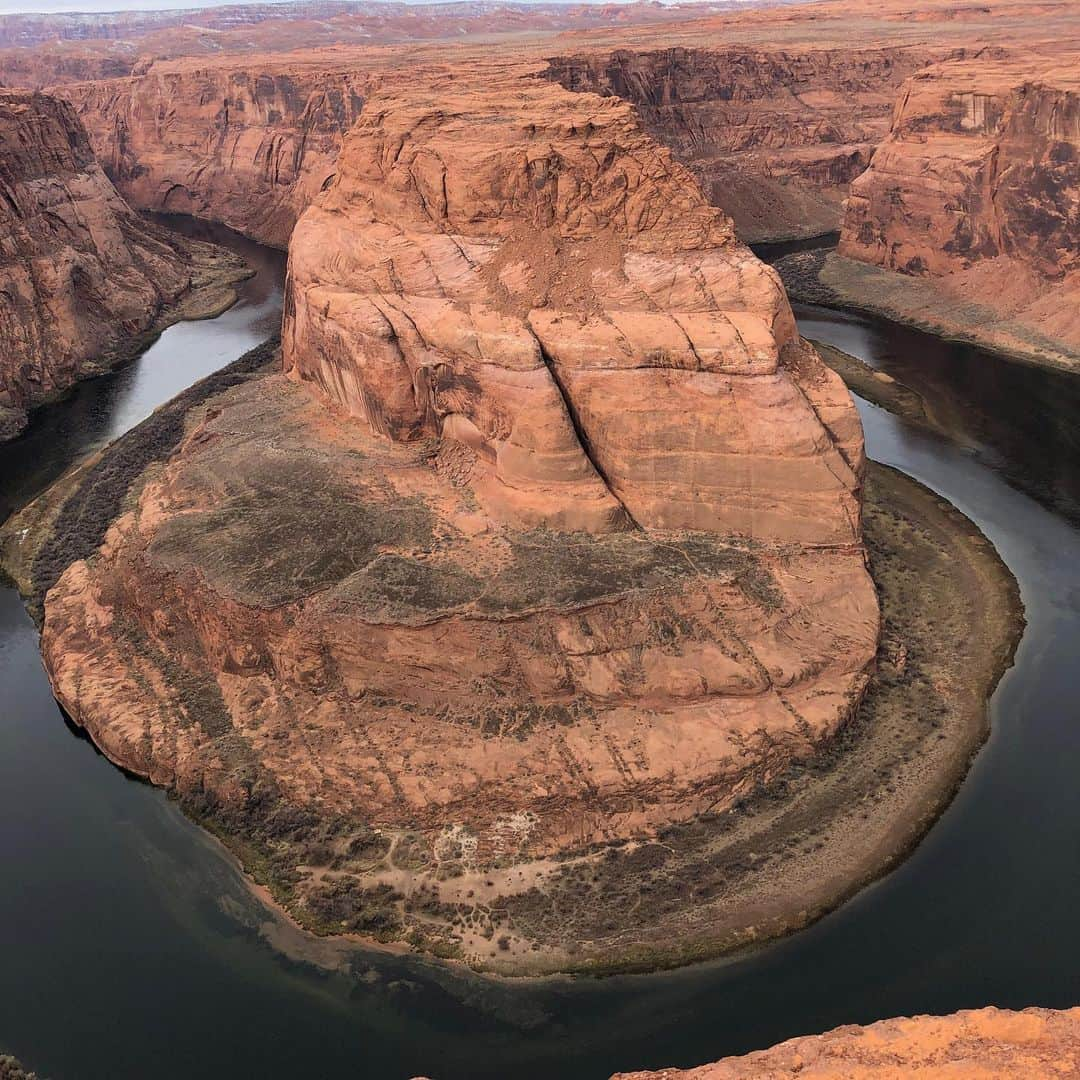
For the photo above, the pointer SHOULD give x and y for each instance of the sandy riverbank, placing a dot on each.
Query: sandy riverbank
(821, 276)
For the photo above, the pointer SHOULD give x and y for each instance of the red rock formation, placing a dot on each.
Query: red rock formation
(249, 146)
(774, 137)
(774, 109)
(983, 1044)
(78, 271)
(550, 537)
(978, 184)
(562, 255)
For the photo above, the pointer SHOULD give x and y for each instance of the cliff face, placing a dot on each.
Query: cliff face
(982, 161)
(548, 537)
(982, 1044)
(248, 145)
(78, 271)
(978, 184)
(773, 136)
(593, 298)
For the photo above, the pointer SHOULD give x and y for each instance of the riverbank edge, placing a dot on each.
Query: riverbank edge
(37, 544)
(824, 277)
(56, 530)
(215, 274)
(899, 835)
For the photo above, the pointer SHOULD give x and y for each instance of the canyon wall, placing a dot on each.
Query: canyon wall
(249, 145)
(978, 185)
(547, 537)
(79, 272)
(773, 136)
(983, 1044)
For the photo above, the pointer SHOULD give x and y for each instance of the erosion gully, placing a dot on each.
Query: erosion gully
(130, 946)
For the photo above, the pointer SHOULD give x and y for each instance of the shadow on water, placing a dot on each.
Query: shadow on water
(98, 410)
(777, 249)
(131, 948)
(1024, 423)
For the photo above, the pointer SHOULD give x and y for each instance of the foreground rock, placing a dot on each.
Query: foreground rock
(548, 539)
(983, 1044)
(976, 190)
(80, 275)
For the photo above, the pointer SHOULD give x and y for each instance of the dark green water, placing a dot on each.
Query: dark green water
(130, 948)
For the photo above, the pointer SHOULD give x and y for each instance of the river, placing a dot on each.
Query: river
(130, 947)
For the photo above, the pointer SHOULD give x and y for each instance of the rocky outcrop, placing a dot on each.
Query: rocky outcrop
(556, 293)
(773, 136)
(983, 1044)
(978, 187)
(248, 145)
(10, 1069)
(547, 537)
(80, 274)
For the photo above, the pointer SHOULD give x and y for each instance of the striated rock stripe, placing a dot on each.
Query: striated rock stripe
(249, 145)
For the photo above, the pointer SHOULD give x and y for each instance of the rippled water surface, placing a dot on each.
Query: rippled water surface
(129, 946)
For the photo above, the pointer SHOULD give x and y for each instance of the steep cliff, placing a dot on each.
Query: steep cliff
(547, 539)
(80, 274)
(773, 136)
(978, 187)
(983, 1044)
(247, 144)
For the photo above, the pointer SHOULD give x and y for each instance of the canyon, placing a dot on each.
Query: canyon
(82, 278)
(249, 145)
(773, 136)
(529, 343)
(977, 189)
(770, 136)
(980, 1044)
(585, 501)
(489, 610)
(775, 110)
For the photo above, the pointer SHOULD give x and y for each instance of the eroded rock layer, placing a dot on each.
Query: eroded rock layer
(978, 185)
(247, 144)
(547, 536)
(774, 137)
(78, 271)
(983, 1044)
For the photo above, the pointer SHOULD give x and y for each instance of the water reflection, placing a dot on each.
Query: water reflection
(1022, 421)
(99, 410)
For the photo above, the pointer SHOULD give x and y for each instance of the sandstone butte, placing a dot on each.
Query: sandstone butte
(546, 538)
(977, 186)
(80, 274)
(983, 1044)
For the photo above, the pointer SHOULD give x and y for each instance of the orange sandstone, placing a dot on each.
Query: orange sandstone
(982, 1044)
(548, 537)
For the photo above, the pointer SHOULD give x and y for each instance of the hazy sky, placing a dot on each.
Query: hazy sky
(10, 6)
